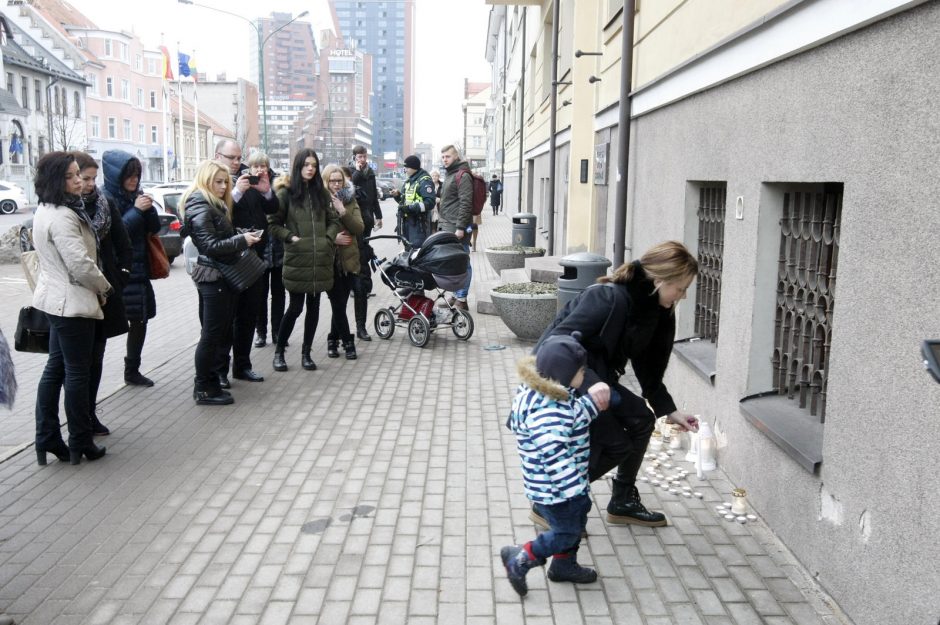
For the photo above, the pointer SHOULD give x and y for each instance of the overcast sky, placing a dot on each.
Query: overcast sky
(450, 44)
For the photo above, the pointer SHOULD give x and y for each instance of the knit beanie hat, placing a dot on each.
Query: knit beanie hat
(561, 357)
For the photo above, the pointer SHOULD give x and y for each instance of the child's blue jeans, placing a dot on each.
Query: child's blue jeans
(567, 520)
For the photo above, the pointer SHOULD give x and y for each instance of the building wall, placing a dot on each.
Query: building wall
(290, 58)
(852, 111)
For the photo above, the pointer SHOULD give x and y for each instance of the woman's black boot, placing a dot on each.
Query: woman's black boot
(349, 345)
(332, 348)
(59, 449)
(88, 449)
(305, 360)
(279, 363)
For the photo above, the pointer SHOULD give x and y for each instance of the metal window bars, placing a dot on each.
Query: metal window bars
(711, 229)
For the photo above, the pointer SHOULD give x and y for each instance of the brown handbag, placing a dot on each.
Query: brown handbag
(159, 264)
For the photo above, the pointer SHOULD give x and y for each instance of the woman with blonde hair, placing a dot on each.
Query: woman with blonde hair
(207, 214)
(629, 315)
(346, 265)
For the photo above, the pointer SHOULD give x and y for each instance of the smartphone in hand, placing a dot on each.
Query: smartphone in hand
(253, 180)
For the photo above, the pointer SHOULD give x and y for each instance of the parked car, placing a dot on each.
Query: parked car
(12, 197)
(168, 198)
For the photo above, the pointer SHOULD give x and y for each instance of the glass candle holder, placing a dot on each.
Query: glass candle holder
(738, 501)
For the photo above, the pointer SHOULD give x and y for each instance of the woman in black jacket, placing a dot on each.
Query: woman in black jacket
(629, 315)
(122, 188)
(207, 205)
(114, 255)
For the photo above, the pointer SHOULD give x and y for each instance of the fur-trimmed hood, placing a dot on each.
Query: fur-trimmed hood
(531, 378)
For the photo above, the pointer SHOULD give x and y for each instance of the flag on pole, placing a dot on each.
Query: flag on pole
(187, 65)
(16, 146)
(167, 66)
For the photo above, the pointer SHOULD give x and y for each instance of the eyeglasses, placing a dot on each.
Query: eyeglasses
(231, 157)
(340, 181)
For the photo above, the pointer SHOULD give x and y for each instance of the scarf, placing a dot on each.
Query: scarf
(75, 203)
(96, 207)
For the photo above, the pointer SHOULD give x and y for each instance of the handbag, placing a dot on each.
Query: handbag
(244, 272)
(32, 331)
(158, 262)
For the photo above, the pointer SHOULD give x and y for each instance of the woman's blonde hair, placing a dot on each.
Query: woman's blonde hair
(329, 170)
(202, 182)
(669, 261)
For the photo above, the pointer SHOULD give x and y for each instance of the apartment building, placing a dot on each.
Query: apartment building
(475, 106)
(791, 145)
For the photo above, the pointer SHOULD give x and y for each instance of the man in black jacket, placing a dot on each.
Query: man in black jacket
(367, 196)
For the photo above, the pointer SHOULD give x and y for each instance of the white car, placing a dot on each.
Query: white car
(12, 197)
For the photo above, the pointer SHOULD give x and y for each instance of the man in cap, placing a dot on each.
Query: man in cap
(415, 202)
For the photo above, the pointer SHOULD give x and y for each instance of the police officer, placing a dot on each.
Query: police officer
(415, 202)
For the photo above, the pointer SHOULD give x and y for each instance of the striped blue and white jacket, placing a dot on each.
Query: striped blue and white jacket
(551, 425)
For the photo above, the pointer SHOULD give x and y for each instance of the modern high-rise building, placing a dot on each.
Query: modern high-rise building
(386, 31)
(290, 58)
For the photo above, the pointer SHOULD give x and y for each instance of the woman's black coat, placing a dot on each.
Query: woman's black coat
(621, 322)
(211, 232)
(115, 254)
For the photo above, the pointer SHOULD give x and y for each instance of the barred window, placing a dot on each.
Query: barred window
(711, 243)
(806, 280)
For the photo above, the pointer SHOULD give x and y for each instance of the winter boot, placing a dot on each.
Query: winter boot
(349, 346)
(332, 347)
(132, 374)
(565, 568)
(97, 427)
(360, 305)
(626, 508)
(518, 559)
(279, 363)
(305, 360)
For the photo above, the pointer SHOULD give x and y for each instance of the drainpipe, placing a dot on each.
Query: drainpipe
(623, 140)
(502, 125)
(522, 59)
(552, 129)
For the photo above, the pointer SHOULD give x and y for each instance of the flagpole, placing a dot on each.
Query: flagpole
(196, 114)
(182, 148)
(166, 147)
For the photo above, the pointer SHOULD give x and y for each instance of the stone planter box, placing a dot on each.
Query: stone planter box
(511, 256)
(527, 308)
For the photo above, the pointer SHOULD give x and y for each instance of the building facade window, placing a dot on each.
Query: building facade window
(153, 135)
(109, 87)
(112, 128)
(138, 62)
(10, 82)
(806, 280)
(77, 105)
(153, 99)
(93, 79)
(127, 130)
(37, 93)
(107, 47)
(151, 66)
(58, 105)
(125, 90)
(711, 244)
(95, 126)
(140, 97)
(24, 92)
(141, 133)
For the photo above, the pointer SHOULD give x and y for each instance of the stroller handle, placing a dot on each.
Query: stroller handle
(385, 236)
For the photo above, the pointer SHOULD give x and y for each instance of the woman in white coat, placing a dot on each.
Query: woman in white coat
(71, 290)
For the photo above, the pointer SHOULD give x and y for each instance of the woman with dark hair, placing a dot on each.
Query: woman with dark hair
(346, 266)
(71, 290)
(115, 255)
(207, 212)
(308, 224)
(122, 188)
(629, 316)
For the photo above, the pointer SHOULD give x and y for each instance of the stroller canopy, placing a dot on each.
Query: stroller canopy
(442, 254)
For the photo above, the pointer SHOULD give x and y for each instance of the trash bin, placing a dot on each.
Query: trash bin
(581, 270)
(523, 229)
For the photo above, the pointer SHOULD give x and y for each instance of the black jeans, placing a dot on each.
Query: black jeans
(243, 326)
(71, 345)
(217, 302)
(339, 298)
(293, 311)
(619, 437)
(361, 287)
(136, 335)
(271, 282)
(97, 365)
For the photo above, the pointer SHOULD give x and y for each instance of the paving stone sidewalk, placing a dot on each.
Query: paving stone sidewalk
(371, 491)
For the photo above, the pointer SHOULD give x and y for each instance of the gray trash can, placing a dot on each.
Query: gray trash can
(523, 229)
(581, 270)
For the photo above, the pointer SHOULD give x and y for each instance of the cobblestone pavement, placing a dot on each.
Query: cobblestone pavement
(370, 491)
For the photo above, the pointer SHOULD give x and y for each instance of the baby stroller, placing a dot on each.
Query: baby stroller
(441, 265)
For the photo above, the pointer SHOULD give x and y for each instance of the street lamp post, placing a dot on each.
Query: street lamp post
(261, 43)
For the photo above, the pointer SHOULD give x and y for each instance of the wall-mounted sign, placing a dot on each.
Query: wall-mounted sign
(600, 163)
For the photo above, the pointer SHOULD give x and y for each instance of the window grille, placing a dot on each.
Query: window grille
(711, 245)
(806, 281)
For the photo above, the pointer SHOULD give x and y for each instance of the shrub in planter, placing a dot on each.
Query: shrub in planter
(511, 256)
(527, 308)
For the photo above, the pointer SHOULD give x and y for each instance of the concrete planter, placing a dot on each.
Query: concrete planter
(528, 313)
(511, 256)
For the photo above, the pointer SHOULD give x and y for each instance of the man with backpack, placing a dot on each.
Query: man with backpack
(457, 208)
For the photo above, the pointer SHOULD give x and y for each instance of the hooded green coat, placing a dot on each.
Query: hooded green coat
(308, 263)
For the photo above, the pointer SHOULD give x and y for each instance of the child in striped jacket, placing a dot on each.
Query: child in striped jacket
(551, 424)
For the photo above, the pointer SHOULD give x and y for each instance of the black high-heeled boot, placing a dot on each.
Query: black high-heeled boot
(332, 348)
(305, 360)
(279, 363)
(59, 449)
(349, 346)
(88, 449)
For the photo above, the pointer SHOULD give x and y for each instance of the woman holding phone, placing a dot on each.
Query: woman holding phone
(346, 266)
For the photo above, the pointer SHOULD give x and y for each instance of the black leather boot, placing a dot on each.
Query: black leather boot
(132, 374)
(86, 447)
(305, 360)
(349, 346)
(625, 507)
(279, 363)
(332, 347)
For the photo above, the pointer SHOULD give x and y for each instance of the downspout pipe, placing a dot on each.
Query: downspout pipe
(502, 124)
(623, 139)
(522, 60)
(552, 130)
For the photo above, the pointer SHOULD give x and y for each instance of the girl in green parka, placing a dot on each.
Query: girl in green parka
(308, 224)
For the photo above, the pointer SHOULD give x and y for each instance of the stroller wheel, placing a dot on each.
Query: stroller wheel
(462, 324)
(384, 323)
(419, 331)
